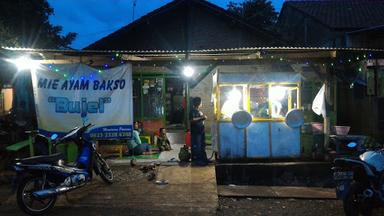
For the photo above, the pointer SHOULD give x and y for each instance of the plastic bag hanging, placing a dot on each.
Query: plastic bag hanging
(319, 104)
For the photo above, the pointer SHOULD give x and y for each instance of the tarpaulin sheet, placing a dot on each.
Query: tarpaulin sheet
(71, 95)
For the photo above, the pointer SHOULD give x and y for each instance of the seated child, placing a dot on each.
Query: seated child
(162, 141)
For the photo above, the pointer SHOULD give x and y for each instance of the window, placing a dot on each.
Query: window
(283, 98)
(259, 104)
(262, 101)
(153, 103)
(174, 99)
(278, 96)
(231, 100)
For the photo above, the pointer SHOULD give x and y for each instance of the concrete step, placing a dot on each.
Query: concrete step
(276, 192)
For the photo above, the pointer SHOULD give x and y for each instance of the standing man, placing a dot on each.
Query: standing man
(199, 156)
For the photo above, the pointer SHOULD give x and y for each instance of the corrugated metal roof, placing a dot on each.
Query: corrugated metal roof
(223, 50)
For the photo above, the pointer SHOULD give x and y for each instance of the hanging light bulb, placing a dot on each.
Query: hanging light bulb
(188, 71)
(25, 63)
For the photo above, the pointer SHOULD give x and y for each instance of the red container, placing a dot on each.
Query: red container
(341, 130)
(317, 128)
(188, 139)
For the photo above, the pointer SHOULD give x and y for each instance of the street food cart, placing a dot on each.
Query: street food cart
(267, 96)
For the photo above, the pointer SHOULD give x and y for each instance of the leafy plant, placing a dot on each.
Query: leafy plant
(26, 23)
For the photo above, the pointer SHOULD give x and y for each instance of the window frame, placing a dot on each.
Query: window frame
(218, 102)
(293, 86)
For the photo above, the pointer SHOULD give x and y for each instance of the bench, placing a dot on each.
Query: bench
(20, 145)
(69, 149)
(145, 139)
(120, 147)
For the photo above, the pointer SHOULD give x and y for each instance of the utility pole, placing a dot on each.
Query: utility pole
(133, 9)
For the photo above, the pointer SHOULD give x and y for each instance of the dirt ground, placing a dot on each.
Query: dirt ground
(281, 207)
(256, 206)
(228, 206)
(107, 205)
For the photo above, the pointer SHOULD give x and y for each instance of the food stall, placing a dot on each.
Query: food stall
(268, 97)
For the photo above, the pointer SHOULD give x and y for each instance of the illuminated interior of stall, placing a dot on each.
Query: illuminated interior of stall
(6, 100)
(264, 101)
(232, 100)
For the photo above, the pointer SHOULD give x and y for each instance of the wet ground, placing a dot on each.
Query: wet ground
(227, 206)
(189, 192)
(282, 207)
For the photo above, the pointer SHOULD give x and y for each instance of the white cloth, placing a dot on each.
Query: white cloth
(319, 104)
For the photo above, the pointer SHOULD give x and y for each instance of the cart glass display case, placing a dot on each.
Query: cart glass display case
(232, 99)
(268, 98)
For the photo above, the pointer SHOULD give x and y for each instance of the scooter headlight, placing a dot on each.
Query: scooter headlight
(18, 168)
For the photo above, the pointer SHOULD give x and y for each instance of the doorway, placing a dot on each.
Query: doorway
(175, 105)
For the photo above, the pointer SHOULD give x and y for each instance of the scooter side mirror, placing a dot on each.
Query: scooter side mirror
(351, 145)
(54, 137)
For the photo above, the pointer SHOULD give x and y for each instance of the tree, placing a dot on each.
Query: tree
(6, 37)
(26, 24)
(260, 13)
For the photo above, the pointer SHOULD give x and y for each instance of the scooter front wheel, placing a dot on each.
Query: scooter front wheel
(105, 171)
(353, 205)
(30, 204)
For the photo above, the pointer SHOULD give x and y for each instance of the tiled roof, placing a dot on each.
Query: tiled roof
(183, 24)
(342, 14)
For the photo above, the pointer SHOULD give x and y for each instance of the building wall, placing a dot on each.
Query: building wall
(372, 39)
(352, 103)
(204, 90)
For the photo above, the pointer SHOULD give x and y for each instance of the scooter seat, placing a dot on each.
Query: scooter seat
(47, 159)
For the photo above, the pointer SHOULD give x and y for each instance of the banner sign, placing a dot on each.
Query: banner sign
(71, 95)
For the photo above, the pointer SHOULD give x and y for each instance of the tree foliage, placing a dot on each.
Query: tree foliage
(259, 13)
(26, 23)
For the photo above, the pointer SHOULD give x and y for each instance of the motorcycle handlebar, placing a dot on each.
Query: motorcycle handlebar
(79, 132)
(85, 128)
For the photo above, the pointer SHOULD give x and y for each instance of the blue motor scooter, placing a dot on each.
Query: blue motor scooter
(42, 178)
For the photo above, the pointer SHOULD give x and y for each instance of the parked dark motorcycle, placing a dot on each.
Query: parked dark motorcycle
(360, 182)
(42, 178)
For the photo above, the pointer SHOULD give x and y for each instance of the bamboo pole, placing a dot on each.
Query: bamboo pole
(327, 120)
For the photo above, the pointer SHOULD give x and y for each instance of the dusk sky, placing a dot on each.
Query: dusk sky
(94, 19)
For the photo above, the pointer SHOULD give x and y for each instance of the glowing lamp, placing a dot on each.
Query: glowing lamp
(25, 63)
(188, 71)
(231, 105)
(277, 93)
(234, 95)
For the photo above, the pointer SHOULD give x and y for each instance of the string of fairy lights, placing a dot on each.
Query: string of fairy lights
(57, 69)
(355, 60)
